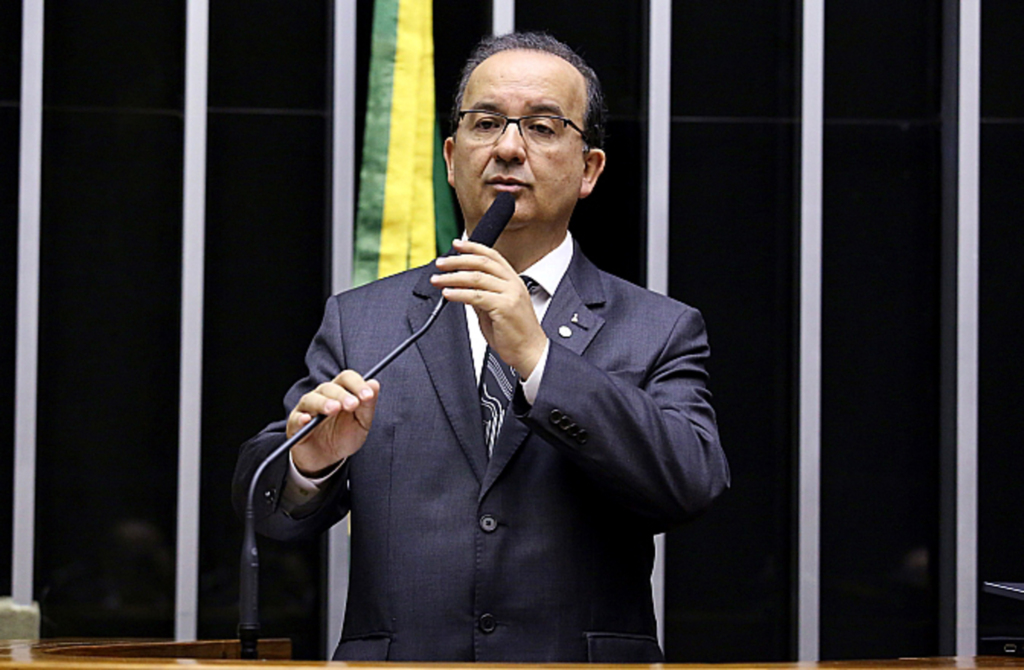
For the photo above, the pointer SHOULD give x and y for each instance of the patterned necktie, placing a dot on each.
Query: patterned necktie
(497, 384)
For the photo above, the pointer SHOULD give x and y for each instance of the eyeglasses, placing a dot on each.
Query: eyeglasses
(543, 130)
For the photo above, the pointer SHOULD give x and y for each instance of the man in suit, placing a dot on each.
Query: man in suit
(490, 529)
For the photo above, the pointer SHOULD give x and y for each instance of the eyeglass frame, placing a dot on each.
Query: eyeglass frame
(567, 123)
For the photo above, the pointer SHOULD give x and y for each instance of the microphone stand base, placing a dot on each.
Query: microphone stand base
(249, 637)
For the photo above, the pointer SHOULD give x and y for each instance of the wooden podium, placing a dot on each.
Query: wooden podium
(93, 654)
(224, 655)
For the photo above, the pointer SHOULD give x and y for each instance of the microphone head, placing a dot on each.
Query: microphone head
(494, 219)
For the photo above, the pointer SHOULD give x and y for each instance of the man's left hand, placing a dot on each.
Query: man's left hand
(481, 277)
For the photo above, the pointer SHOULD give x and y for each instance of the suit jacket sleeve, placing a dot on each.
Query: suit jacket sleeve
(642, 428)
(324, 360)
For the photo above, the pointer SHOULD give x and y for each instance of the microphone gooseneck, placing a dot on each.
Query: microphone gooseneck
(487, 231)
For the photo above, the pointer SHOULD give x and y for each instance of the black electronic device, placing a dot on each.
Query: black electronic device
(1002, 645)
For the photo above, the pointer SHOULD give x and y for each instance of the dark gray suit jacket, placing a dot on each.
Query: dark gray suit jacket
(544, 553)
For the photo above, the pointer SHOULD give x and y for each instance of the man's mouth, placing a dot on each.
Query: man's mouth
(506, 184)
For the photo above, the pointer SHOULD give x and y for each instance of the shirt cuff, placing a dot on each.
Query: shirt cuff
(531, 385)
(300, 489)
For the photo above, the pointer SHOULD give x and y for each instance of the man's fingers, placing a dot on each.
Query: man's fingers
(368, 404)
(488, 260)
(347, 395)
(467, 247)
(310, 405)
(471, 280)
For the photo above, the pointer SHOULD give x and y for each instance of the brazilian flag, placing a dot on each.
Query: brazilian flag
(405, 215)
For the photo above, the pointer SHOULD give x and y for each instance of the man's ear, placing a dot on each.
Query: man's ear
(593, 166)
(449, 149)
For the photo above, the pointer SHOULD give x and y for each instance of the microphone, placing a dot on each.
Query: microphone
(487, 231)
(494, 220)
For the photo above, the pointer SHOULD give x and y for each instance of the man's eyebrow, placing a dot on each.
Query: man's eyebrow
(546, 108)
(533, 108)
(485, 106)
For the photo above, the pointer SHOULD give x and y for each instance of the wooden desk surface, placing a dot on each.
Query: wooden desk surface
(217, 654)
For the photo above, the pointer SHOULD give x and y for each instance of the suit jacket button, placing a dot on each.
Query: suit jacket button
(574, 430)
(488, 523)
(565, 422)
(555, 416)
(487, 623)
(582, 436)
(269, 496)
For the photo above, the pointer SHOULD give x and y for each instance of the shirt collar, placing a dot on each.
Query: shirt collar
(550, 269)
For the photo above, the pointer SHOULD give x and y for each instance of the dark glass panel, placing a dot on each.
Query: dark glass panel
(1001, 368)
(1002, 59)
(269, 54)
(119, 53)
(610, 225)
(265, 259)
(108, 374)
(609, 34)
(879, 391)
(883, 61)
(364, 32)
(10, 53)
(8, 337)
(732, 237)
(458, 26)
(734, 58)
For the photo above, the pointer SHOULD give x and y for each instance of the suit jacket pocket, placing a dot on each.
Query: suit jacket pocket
(623, 648)
(372, 647)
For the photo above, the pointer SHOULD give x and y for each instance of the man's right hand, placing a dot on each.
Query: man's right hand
(349, 402)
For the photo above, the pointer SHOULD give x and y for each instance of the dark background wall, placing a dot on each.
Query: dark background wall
(268, 154)
(733, 227)
(108, 312)
(1000, 422)
(880, 329)
(110, 298)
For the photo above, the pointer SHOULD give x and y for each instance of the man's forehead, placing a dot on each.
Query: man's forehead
(538, 81)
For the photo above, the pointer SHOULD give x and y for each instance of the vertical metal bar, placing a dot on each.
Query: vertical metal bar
(27, 346)
(968, 223)
(186, 595)
(503, 16)
(658, 585)
(950, 177)
(809, 487)
(659, 125)
(343, 144)
(343, 162)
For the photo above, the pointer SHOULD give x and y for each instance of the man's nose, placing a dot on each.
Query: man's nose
(511, 145)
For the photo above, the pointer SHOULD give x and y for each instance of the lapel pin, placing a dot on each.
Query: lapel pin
(564, 331)
(575, 317)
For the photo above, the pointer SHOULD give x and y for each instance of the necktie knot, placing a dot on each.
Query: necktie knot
(531, 284)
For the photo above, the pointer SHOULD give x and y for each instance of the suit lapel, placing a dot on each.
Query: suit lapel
(446, 352)
(570, 321)
(571, 312)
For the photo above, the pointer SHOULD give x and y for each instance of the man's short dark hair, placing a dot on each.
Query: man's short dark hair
(533, 41)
